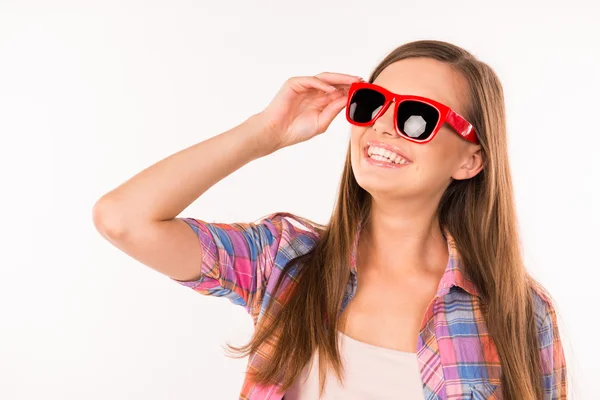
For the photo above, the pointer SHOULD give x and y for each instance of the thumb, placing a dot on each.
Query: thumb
(330, 111)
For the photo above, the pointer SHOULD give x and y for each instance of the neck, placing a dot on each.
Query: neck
(403, 240)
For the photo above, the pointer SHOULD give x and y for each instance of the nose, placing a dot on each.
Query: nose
(385, 122)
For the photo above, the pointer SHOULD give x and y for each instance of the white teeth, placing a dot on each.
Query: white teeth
(377, 153)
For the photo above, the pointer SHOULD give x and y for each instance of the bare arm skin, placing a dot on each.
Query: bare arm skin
(138, 216)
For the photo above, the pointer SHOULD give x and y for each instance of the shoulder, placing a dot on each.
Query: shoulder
(290, 224)
(543, 305)
(552, 355)
(291, 234)
(549, 337)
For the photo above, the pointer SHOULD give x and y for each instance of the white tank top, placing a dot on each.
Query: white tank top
(371, 372)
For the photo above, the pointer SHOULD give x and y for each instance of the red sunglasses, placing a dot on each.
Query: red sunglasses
(416, 118)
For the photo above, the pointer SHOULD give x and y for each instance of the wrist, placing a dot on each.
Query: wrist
(265, 138)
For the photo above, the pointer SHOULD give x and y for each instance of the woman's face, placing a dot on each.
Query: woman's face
(432, 165)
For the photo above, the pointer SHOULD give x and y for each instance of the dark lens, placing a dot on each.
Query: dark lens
(364, 104)
(416, 119)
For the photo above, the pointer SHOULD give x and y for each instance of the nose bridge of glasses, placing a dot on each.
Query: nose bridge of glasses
(389, 106)
(386, 117)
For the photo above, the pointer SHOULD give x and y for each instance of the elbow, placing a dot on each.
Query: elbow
(108, 218)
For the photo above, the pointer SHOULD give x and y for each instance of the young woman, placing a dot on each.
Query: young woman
(415, 288)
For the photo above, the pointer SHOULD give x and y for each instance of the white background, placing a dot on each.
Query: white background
(93, 92)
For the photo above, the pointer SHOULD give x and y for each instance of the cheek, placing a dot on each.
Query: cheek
(356, 132)
(441, 154)
(355, 140)
(433, 162)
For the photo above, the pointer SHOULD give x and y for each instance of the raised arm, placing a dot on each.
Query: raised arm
(225, 259)
(138, 216)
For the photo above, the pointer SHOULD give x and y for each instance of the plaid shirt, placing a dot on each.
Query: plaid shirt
(457, 357)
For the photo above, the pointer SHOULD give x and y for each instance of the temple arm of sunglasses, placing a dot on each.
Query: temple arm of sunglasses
(462, 127)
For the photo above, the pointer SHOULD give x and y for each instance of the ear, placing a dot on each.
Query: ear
(471, 164)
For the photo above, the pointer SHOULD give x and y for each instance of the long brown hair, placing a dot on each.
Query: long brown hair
(478, 212)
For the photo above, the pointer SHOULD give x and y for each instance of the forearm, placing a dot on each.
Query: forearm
(163, 190)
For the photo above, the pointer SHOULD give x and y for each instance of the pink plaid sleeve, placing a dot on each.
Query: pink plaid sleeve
(238, 257)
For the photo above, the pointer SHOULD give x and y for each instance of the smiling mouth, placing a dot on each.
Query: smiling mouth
(383, 152)
(386, 148)
(381, 161)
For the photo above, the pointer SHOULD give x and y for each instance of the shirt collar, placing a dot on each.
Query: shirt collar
(454, 274)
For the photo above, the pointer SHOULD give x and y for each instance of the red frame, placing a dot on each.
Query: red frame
(455, 120)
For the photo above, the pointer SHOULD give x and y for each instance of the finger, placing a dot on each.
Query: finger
(341, 92)
(334, 78)
(305, 83)
(344, 89)
(329, 113)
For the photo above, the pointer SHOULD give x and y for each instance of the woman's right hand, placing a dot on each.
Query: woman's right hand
(304, 107)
